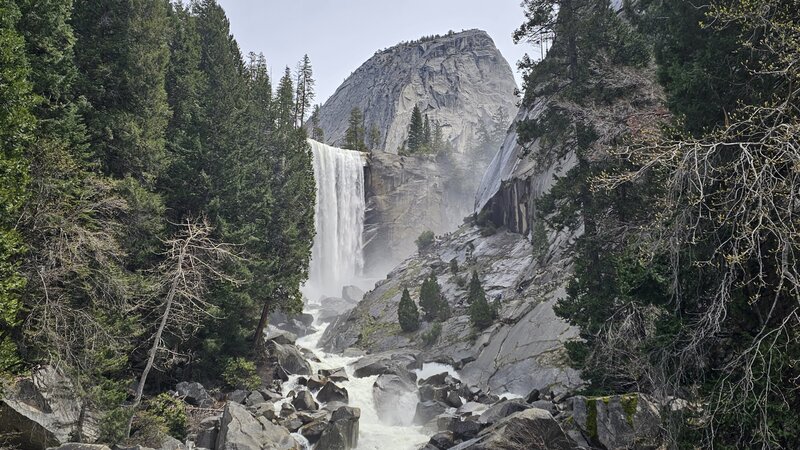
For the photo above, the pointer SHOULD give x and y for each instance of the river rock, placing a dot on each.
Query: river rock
(395, 398)
(442, 440)
(427, 411)
(392, 362)
(315, 382)
(313, 430)
(304, 401)
(501, 410)
(330, 392)
(282, 337)
(263, 409)
(43, 411)
(342, 430)
(289, 358)
(239, 430)
(194, 394)
(465, 429)
(337, 374)
(529, 429)
(238, 396)
(620, 421)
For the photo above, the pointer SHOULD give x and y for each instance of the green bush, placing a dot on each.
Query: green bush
(172, 411)
(407, 313)
(424, 240)
(431, 336)
(240, 373)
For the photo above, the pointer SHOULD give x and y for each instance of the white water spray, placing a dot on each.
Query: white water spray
(337, 255)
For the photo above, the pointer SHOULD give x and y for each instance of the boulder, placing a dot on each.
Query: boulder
(313, 430)
(304, 401)
(315, 382)
(79, 446)
(444, 422)
(238, 396)
(453, 399)
(427, 411)
(533, 396)
(400, 363)
(239, 430)
(264, 409)
(442, 440)
(620, 421)
(342, 430)
(437, 393)
(501, 410)
(440, 379)
(533, 429)
(194, 394)
(352, 294)
(546, 405)
(170, 443)
(471, 408)
(207, 432)
(292, 423)
(43, 411)
(289, 358)
(254, 398)
(395, 399)
(282, 337)
(330, 392)
(337, 374)
(465, 429)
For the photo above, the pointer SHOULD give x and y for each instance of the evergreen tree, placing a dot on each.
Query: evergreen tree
(16, 127)
(427, 137)
(354, 135)
(305, 90)
(407, 313)
(416, 131)
(430, 297)
(481, 313)
(317, 133)
(285, 102)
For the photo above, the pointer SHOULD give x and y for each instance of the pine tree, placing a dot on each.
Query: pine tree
(429, 297)
(416, 131)
(427, 137)
(317, 133)
(284, 97)
(481, 313)
(305, 90)
(354, 135)
(407, 313)
(16, 127)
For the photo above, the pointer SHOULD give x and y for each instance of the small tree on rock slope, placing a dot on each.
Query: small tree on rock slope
(407, 313)
(481, 313)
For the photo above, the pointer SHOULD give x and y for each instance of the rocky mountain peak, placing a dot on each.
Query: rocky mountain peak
(459, 80)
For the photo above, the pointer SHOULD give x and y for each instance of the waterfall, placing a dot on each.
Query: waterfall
(337, 255)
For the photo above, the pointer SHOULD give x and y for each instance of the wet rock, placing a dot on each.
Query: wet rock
(304, 401)
(501, 410)
(194, 394)
(399, 362)
(289, 358)
(395, 398)
(546, 405)
(338, 374)
(313, 431)
(444, 422)
(342, 430)
(292, 423)
(465, 429)
(442, 440)
(330, 392)
(239, 430)
(270, 395)
(352, 294)
(533, 396)
(315, 383)
(619, 420)
(333, 406)
(470, 408)
(287, 410)
(43, 411)
(453, 399)
(254, 398)
(352, 352)
(427, 411)
(529, 429)
(441, 379)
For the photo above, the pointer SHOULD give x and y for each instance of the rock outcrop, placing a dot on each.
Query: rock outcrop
(43, 411)
(239, 430)
(459, 80)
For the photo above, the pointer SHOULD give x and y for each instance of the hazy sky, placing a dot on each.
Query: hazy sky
(339, 35)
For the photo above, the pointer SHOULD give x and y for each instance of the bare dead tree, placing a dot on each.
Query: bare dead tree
(191, 261)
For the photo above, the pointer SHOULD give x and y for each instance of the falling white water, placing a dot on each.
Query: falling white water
(337, 255)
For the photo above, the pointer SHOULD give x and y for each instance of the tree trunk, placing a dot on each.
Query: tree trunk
(262, 323)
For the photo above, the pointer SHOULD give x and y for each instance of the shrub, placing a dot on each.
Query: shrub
(431, 336)
(172, 411)
(407, 313)
(424, 240)
(454, 266)
(240, 373)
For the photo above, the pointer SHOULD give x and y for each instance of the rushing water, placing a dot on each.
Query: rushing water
(337, 254)
(336, 261)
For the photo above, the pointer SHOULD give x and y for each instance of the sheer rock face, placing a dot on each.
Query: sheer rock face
(458, 80)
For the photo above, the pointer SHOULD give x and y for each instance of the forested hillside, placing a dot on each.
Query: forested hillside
(157, 196)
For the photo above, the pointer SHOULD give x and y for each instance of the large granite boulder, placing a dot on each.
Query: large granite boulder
(239, 430)
(43, 411)
(352, 294)
(400, 363)
(501, 410)
(532, 429)
(289, 358)
(630, 421)
(330, 392)
(194, 394)
(342, 430)
(395, 399)
(304, 401)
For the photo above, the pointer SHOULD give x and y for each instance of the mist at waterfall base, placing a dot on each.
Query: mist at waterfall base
(337, 261)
